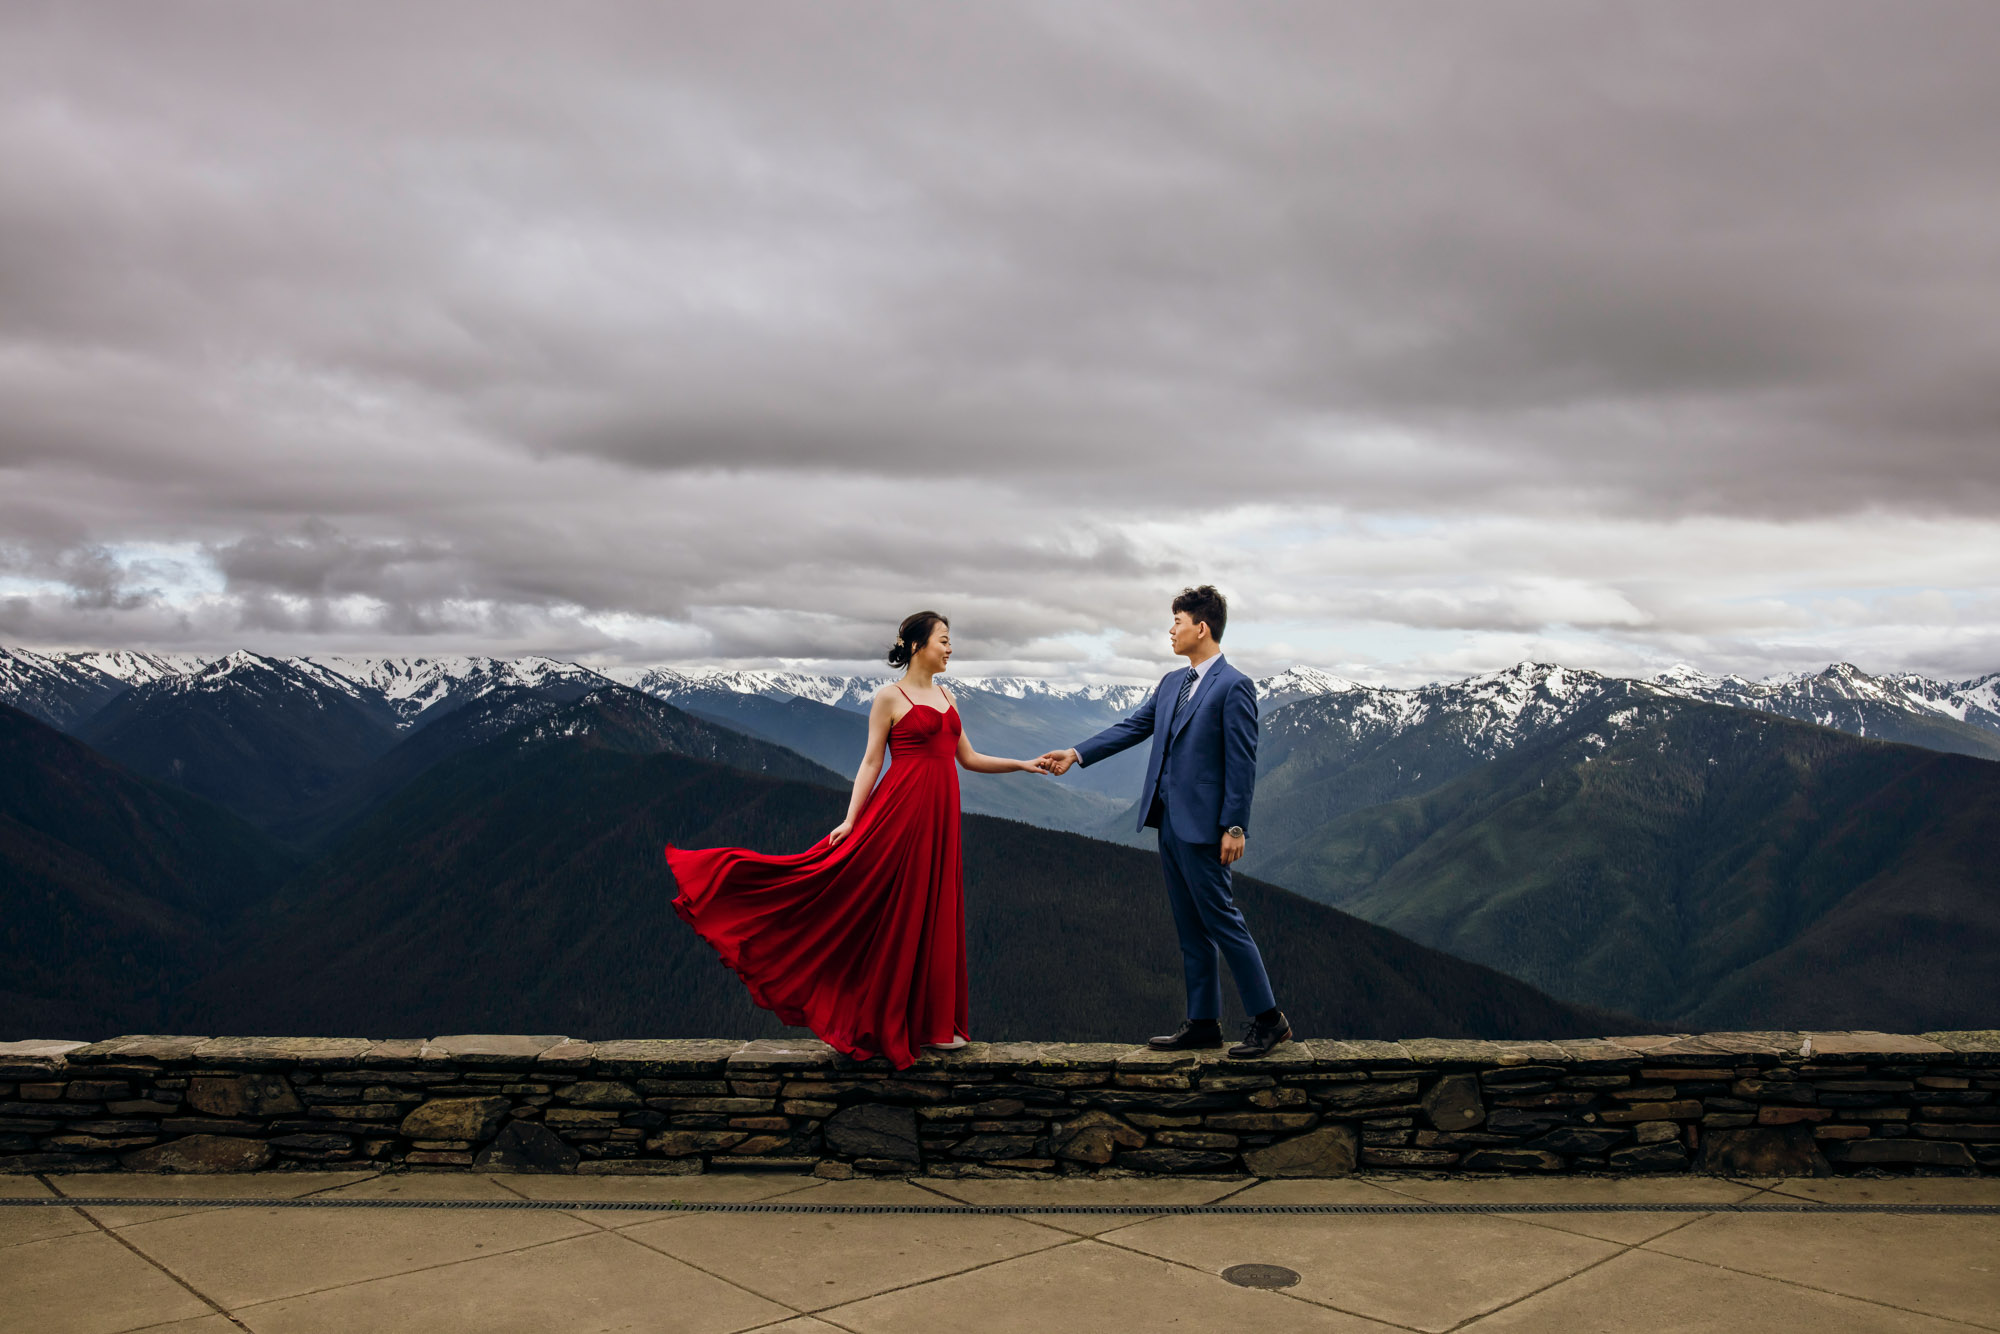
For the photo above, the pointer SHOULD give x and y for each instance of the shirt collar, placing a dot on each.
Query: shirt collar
(1201, 668)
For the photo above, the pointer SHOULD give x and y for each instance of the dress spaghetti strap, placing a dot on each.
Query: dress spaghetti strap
(905, 694)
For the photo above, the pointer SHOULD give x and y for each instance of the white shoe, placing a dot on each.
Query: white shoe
(953, 1045)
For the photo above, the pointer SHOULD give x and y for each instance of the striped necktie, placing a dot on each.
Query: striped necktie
(1187, 688)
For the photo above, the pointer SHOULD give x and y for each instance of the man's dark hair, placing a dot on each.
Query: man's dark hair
(1207, 606)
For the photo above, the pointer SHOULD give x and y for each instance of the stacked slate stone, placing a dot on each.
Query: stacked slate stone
(1729, 1103)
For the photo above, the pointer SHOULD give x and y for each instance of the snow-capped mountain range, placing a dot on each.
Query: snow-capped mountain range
(415, 687)
(855, 692)
(58, 689)
(1840, 686)
(1524, 695)
(65, 689)
(409, 687)
(846, 692)
(1491, 712)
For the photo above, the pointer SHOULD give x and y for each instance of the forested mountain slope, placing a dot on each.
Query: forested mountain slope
(1700, 864)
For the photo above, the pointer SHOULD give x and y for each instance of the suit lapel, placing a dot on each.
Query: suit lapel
(1163, 702)
(1200, 689)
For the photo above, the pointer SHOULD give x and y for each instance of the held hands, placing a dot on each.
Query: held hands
(1057, 762)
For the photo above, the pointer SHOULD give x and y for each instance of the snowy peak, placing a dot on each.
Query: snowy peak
(246, 671)
(660, 681)
(1526, 679)
(19, 667)
(1026, 689)
(1975, 701)
(1684, 676)
(137, 669)
(1843, 680)
(55, 690)
(840, 691)
(1500, 704)
(1486, 714)
(1012, 687)
(1842, 695)
(1302, 683)
(415, 687)
(1693, 683)
(242, 663)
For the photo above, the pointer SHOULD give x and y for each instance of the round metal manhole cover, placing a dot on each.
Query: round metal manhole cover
(1261, 1276)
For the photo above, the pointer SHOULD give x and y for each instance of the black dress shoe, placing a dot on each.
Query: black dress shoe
(1260, 1038)
(1191, 1034)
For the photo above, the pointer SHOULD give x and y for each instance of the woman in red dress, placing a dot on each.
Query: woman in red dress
(861, 937)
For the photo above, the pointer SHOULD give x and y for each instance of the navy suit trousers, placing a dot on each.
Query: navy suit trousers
(1209, 923)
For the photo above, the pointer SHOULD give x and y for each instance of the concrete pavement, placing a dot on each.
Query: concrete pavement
(196, 1268)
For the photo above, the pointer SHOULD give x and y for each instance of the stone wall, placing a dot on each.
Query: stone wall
(1734, 1103)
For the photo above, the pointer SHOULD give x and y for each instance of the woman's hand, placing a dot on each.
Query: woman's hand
(1057, 762)
(840, 831)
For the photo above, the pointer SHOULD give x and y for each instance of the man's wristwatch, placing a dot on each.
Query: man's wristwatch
(1234, 831)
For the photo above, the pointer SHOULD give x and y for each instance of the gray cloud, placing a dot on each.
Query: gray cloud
(629, 330)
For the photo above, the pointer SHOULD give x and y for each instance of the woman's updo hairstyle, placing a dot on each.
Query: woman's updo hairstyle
(913, 634)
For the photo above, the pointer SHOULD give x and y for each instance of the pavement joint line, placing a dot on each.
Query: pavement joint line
(1394, 1188)
(213, 1305)
(1537, 1220)
(927, 1188)
(509, 1189)
(779, 1206)
(724, 1279)
(1067, 1240)
(1287, 1293)
(339, 1185)
(1624, 1249)
(780, 1324)
(1541, 1221)
(1109, 1232)
(945, 1194)
(1251, 1184)
(644, 1245)
(1808, 1287)
(400, 1273)
(819, 1313)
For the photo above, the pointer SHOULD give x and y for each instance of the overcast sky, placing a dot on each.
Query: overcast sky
(1439, 336)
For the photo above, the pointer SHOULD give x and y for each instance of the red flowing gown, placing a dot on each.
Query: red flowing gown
(863, 943)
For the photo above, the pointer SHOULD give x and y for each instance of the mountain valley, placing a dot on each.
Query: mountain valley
(1696, 849)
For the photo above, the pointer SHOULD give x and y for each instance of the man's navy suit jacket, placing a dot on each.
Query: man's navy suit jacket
(1212, 772)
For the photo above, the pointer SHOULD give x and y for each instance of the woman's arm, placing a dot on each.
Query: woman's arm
(968, 758)
(879, 722)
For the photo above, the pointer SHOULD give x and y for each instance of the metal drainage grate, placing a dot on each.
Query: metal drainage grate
(1261, 1276)
(802, 1207)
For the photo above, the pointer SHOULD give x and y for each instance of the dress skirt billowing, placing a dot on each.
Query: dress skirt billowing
(863, 943)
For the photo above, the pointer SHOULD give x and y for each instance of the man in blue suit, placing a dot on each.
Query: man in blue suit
(1202, 722)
